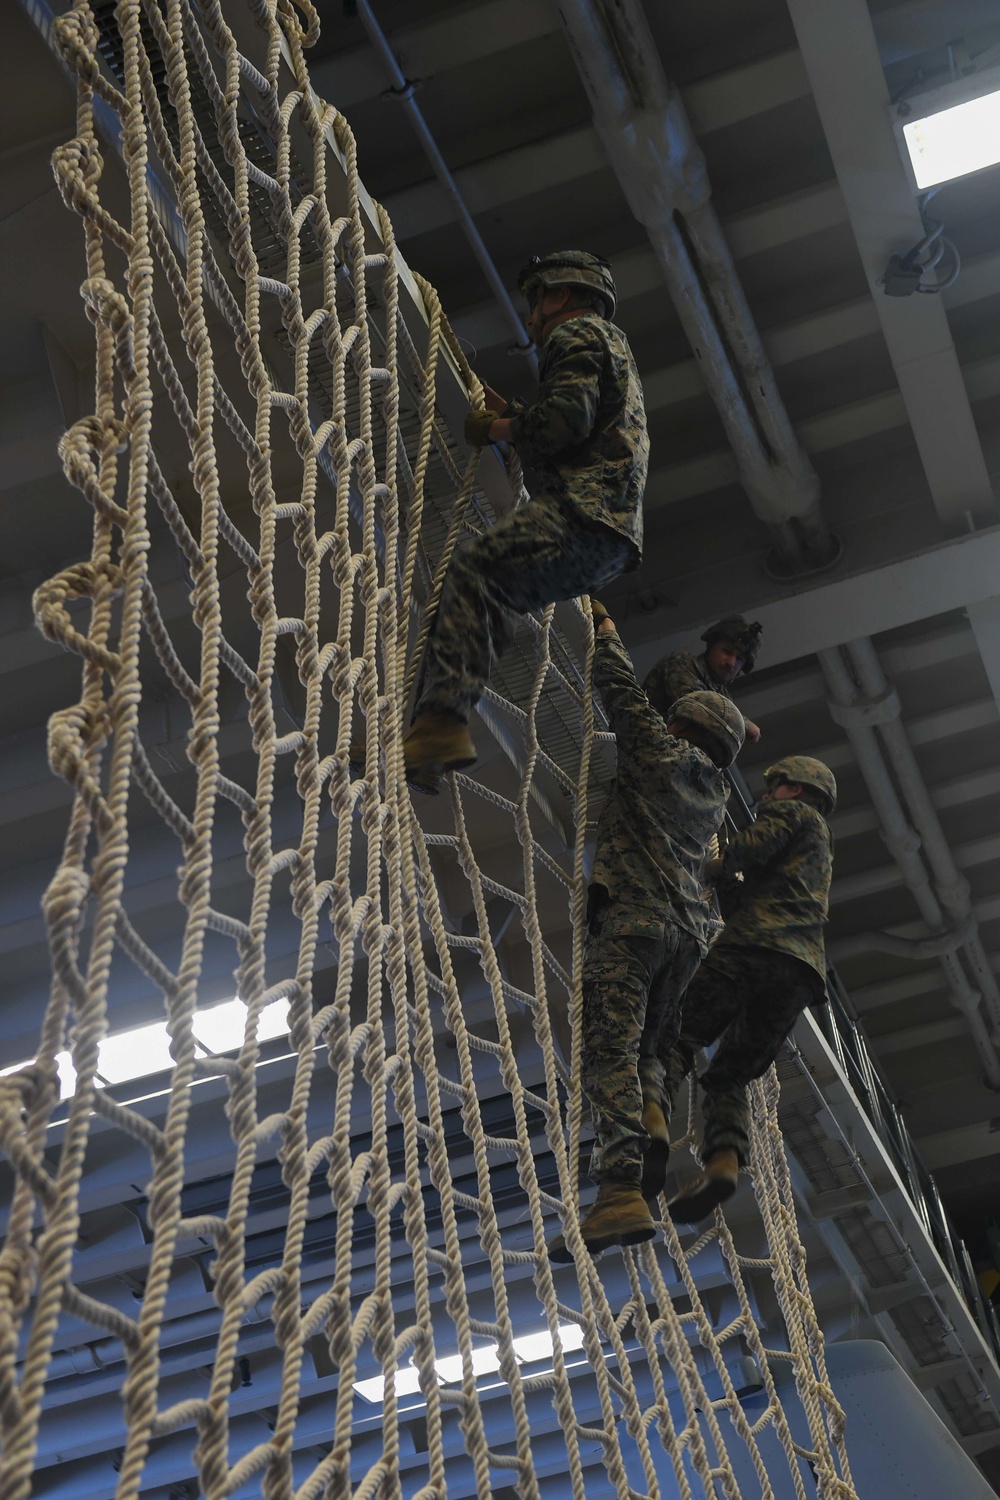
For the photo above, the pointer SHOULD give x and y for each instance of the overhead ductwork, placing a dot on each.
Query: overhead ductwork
(866, 705)
(648, 138)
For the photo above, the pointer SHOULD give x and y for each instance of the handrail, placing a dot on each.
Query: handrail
(862, 1070)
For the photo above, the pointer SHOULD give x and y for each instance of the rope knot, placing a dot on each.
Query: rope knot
(64, 900)
(292, 26)
(86, 580)
(82, 449)
(75, 166)
(76, 40)
(106, 305)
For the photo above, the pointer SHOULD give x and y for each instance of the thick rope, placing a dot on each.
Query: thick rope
(255, 341)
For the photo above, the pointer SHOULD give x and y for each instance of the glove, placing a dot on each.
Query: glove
(477, 427)
(599, 612)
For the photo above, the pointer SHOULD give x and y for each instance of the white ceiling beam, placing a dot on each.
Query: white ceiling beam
(928, 980)
(949, 1148)
(472, 33)
(757, 230)
(955, 574)
(822, 433)
(463, 36)
(768, 226)
(957, 793)
(933, 1034)
(986, 910)
(793, 689)
(872, 882)
(572, 154)
(841, 57)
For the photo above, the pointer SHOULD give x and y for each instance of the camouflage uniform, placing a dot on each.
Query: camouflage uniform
(679, 673)
(768, 966)
(585, 436)
(649, 923)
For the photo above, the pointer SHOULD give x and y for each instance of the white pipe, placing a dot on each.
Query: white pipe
(402, 89)
(649, 141)
(857, 717)
(951, 885)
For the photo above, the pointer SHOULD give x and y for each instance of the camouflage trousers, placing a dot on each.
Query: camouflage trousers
(630, 986)
(747, 999)
(538, 555)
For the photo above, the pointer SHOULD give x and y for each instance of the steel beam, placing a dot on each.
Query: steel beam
(841, 57)
(951, 576)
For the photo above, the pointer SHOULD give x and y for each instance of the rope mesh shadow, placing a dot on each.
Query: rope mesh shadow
(266, 410)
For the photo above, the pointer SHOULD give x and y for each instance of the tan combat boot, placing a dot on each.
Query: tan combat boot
(619, 1216)
(716, 1182)
(657, 1153)
(433, 745)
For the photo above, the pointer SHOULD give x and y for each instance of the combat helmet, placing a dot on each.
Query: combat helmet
(744, 634)
(717, 715)
(807, 772)
(569, 268)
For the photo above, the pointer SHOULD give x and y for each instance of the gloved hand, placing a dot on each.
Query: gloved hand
(599, 612)
(477, 427)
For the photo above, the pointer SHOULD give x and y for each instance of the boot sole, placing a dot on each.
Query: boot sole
(691, 1208)
(427, 778)
(560, 1254)
(635, 1236)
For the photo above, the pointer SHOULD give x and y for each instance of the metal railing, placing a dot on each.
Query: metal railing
(840, 1027)
(851, 1050)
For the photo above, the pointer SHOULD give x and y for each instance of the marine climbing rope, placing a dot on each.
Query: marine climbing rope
(265, 412)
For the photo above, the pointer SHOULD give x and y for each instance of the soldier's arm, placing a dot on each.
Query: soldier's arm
(752, 848)
(563, 414)
(625, 703)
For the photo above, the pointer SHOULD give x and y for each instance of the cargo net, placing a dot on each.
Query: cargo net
(365, 1191)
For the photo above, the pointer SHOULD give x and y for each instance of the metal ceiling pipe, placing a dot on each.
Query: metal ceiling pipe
(950, 884)
(857, 717)
(642, 123)
(401, 88)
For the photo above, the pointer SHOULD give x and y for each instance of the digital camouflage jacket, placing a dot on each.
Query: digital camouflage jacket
(786, 861)
(667, 802)
(585, 432)
(679, 673)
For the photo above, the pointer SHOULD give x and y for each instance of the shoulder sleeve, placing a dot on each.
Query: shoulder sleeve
(563, 414)
(628, 709)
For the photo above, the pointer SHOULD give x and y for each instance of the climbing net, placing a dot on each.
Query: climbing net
(274, 492)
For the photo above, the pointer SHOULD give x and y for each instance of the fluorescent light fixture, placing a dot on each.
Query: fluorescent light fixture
(406, 1383)
(530, 1349)
(221, 1028)
(953, 130)
(134, 1054)
(535, 1346)
(485, 1361)
(143, 1050)
(955, 141)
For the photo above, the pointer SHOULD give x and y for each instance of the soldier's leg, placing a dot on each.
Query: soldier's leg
(536, 556)
(680, 962)
(709, 1003)
(712, 1002)
(617, 975)
(777, 990)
